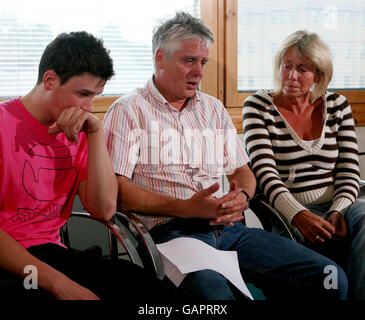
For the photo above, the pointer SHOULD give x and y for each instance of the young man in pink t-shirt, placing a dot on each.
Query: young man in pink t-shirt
(52, 147)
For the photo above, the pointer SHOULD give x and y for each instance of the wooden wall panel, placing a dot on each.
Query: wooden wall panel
(358, 112)
(236, 116)
(101, 105)
(213, 80)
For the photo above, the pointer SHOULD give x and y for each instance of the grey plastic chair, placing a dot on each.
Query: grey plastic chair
(267, 216)
(128, 231)
(115, 233)
(144, 239)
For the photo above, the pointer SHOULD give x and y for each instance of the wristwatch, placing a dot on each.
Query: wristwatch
(248, 199)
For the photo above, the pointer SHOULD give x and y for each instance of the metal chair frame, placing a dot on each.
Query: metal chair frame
(113, 230)
(127, 233)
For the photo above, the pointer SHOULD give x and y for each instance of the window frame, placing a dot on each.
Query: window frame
(233, 99)
(220, 76)
(213, 80)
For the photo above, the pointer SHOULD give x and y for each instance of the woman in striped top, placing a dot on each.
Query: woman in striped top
(302, 144)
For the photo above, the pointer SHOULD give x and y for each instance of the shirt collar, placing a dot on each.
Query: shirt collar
(158, 96)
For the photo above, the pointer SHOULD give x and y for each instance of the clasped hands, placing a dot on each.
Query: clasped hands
(72, 120)
(225, 210)
(316, 229)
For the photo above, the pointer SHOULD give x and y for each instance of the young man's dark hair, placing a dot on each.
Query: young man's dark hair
(72, 54)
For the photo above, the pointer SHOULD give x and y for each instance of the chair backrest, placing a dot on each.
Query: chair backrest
(115, 233)
(268, 216)
(129, 219)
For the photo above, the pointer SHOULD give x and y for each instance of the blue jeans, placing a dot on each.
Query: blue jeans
(281, 268)
(355, 246)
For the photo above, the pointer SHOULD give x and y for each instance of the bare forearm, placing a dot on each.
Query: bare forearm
(133, 198)
(14, 258)
(101, 185)
(201, 205)
(245, 179)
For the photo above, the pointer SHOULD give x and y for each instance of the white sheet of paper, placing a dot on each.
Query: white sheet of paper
(172, 272)
(189, 255)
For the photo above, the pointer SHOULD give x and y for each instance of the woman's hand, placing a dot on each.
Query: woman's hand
(339, 223)
(314, 228)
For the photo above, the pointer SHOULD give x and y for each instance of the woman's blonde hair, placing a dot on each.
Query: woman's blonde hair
(308, 46)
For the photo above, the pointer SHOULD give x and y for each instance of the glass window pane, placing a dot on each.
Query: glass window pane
(26, 27)
(264, 24)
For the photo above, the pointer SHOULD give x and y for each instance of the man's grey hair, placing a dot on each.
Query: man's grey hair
(183, 26)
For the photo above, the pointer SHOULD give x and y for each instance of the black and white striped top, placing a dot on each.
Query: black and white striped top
(293, 173)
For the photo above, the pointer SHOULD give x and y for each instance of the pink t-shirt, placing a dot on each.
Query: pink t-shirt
(39, 176)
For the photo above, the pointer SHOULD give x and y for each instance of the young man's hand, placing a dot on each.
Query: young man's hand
(66, 289)
(73, 120)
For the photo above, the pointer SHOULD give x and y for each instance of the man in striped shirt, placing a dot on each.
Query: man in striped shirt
(170, 146)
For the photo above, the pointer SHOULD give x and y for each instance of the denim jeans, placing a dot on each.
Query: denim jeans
(281, 268)
(355, 246)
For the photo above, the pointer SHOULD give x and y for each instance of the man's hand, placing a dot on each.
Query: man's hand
(314, 228)
(225, 210)
(232, 207)
(203, 205)
(73, 120)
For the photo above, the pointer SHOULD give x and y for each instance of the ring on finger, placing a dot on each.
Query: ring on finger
(317, 238)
